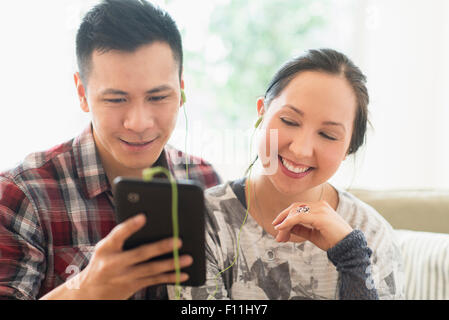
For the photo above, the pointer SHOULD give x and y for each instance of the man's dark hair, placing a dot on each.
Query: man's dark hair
(124, 25)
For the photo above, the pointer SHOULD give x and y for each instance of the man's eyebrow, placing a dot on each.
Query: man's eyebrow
(163, 87)
(124, 93)
(113, 91)
(327, 123)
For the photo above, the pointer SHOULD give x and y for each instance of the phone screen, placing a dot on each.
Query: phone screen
(154, 199)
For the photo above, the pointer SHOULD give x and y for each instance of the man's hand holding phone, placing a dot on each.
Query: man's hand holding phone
(114, 273)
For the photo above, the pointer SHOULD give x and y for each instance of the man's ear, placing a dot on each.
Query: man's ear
(81, 92)
(182, 88)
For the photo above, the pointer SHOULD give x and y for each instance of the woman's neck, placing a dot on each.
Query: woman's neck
(272, 201)
(267, 202)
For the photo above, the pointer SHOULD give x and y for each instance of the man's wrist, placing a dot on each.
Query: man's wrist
(72, 289)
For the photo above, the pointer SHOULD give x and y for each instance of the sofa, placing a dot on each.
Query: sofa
(421, 222)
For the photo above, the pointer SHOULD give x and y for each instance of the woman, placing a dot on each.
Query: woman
(302, 237)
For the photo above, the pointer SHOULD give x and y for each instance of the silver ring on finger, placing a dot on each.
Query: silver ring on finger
(303, 209)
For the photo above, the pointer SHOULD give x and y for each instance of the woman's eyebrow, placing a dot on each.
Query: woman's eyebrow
(332, 123)
(298, 111)
(327, 123)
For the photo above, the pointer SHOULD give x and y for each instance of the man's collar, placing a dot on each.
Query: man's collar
(90, 169)
(88, 164)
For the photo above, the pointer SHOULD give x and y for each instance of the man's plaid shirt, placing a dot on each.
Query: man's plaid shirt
(56, 206)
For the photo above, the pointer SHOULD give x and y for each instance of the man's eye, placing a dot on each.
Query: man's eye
(115, 100)
(157, 98)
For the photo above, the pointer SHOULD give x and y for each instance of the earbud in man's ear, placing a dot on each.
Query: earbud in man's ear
(183, 96)
(258, 122)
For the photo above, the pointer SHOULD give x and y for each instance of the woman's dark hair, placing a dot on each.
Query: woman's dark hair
(331, 62)
(124, 25)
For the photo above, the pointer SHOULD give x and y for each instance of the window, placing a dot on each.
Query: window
(232, 48)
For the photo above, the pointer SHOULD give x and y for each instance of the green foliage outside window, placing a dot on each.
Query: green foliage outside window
(253, 38)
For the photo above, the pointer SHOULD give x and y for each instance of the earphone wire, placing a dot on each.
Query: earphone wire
(187, 134)
(147, 175)
(249, 170)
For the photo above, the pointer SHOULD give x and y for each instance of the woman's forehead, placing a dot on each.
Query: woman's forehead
(318, 90)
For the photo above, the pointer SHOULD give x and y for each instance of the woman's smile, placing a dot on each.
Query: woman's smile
(293, 170)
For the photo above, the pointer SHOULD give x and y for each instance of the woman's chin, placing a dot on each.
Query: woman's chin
(286, 188)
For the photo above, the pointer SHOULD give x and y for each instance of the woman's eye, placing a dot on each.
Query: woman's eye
(288, 122)
(324, 135)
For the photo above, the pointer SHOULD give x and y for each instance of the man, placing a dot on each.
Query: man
(58, 234)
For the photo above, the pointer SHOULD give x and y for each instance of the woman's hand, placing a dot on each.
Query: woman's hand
(321, 225)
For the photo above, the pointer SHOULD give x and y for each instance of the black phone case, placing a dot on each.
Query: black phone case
(154, 198)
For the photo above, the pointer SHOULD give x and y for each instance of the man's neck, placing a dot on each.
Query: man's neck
(114, 169)
(112, 173)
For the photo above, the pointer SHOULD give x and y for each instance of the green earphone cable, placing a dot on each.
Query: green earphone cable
(148, 175)
(184, 99)
(244, 220)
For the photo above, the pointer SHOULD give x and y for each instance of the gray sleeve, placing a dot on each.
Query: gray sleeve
(351, 257)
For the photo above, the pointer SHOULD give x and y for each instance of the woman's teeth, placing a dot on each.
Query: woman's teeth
(292, 168)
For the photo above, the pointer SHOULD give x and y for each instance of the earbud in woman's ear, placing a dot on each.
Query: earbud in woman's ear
(258, 122)
(183, 96)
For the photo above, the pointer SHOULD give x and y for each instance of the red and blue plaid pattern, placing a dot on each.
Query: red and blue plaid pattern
(56, 206)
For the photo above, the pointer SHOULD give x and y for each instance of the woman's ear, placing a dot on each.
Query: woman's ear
(81, 92)
(260, 106)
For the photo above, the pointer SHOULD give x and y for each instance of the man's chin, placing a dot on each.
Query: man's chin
(135, 166)
(134, 163)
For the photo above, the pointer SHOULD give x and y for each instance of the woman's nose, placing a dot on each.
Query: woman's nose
(302, 145)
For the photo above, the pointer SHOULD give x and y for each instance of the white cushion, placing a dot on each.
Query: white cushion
(426, 264)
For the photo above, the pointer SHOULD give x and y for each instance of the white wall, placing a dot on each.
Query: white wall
(38, 106)
(402, 46)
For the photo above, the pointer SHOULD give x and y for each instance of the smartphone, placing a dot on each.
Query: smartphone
(133, 196)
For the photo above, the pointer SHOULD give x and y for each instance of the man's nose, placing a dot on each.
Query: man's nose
(139, 118)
